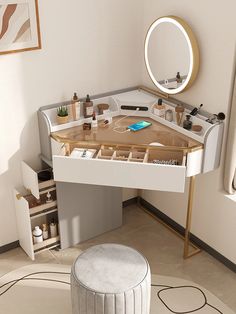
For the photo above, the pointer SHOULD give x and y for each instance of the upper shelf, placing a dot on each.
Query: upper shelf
(126, 104)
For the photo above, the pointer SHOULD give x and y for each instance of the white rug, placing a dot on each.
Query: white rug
(41, 291)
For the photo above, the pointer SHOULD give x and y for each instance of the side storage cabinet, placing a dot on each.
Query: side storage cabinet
(34, 211)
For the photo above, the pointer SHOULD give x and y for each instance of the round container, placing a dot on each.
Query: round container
(53, 229)
(37, 235)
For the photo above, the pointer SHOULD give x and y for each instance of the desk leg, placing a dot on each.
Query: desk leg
(187, 244)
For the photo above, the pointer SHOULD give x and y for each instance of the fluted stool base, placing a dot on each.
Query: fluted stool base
(110, 279)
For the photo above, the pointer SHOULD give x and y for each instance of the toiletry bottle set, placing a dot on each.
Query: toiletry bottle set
(168, 114)
(39, 235)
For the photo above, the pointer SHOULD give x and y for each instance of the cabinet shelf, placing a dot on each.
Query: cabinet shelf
(47, 244)
(37, 212)
(34, 210)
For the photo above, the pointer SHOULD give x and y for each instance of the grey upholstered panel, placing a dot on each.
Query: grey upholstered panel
(85, 211)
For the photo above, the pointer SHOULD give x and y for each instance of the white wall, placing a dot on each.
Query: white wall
(93, 47)
(88, 46)
(214, 24)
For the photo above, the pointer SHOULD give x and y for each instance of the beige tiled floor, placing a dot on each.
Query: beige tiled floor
(162, 248)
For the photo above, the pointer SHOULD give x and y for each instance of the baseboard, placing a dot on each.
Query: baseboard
(195, 240)
(9, 247)
(129, 202)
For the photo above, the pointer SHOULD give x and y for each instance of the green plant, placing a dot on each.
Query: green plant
(62, 111)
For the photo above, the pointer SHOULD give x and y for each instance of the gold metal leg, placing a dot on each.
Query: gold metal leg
(187, 243)
(196, 250)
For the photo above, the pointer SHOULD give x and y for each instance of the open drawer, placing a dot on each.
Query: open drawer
(129, 167)
(32, 182)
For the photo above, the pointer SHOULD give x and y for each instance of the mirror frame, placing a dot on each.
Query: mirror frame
(193, 51)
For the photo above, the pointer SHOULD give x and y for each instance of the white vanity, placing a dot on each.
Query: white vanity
(159, 157)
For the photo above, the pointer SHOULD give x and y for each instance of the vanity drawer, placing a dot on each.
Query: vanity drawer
(118, 173)
(31, 181)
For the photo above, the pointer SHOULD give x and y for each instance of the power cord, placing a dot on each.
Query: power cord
(117, 127)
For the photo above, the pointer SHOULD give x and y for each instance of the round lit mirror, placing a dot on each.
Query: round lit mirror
(171, 54)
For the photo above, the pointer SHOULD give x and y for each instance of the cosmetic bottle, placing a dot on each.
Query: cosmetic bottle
(45, 231)
(75, 106)
(179, 109)
(53, 229)
(159, 109)
(37, 235)
(88, 108)
(169, 115)
(94, 121)
(187, 124)
(195, 110)
(49, 198)
(178, 78)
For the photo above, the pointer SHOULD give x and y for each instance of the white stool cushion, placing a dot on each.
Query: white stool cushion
(110, 279)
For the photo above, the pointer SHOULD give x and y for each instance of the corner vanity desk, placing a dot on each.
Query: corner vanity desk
(89, 200)
(90, 167)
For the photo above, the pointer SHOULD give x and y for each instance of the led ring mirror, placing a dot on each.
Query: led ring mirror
(171, 54)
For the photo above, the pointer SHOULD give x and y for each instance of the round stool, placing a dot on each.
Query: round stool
(110, 279)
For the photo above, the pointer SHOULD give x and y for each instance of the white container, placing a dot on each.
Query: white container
(94, 123)
(77, 109)
(160, 112)
(37, 235)
(45, 232)
(53, 229)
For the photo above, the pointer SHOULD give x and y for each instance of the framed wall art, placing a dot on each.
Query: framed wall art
(19, 26)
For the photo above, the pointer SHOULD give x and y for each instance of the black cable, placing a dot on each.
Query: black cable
(169, 287)
(14, 282)
(24, 277)
(213, 307)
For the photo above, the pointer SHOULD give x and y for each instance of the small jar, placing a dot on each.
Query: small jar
(169, 115)
(53, 229)
(187, 124)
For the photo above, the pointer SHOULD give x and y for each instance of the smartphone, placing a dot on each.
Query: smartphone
(139, 125)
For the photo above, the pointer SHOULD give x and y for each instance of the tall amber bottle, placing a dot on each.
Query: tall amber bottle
(88, 108)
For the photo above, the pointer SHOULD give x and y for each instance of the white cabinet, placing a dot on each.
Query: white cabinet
(32, 209)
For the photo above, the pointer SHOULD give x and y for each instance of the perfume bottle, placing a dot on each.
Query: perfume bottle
(159, 109)
(178, 78)
(187, 124)
(94, 121)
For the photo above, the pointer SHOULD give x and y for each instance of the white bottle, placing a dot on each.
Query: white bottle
(77, 109)
(37, 235)
(94, 121)
(53, 229)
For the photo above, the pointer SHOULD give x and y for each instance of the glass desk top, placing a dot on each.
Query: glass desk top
(156, 134)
